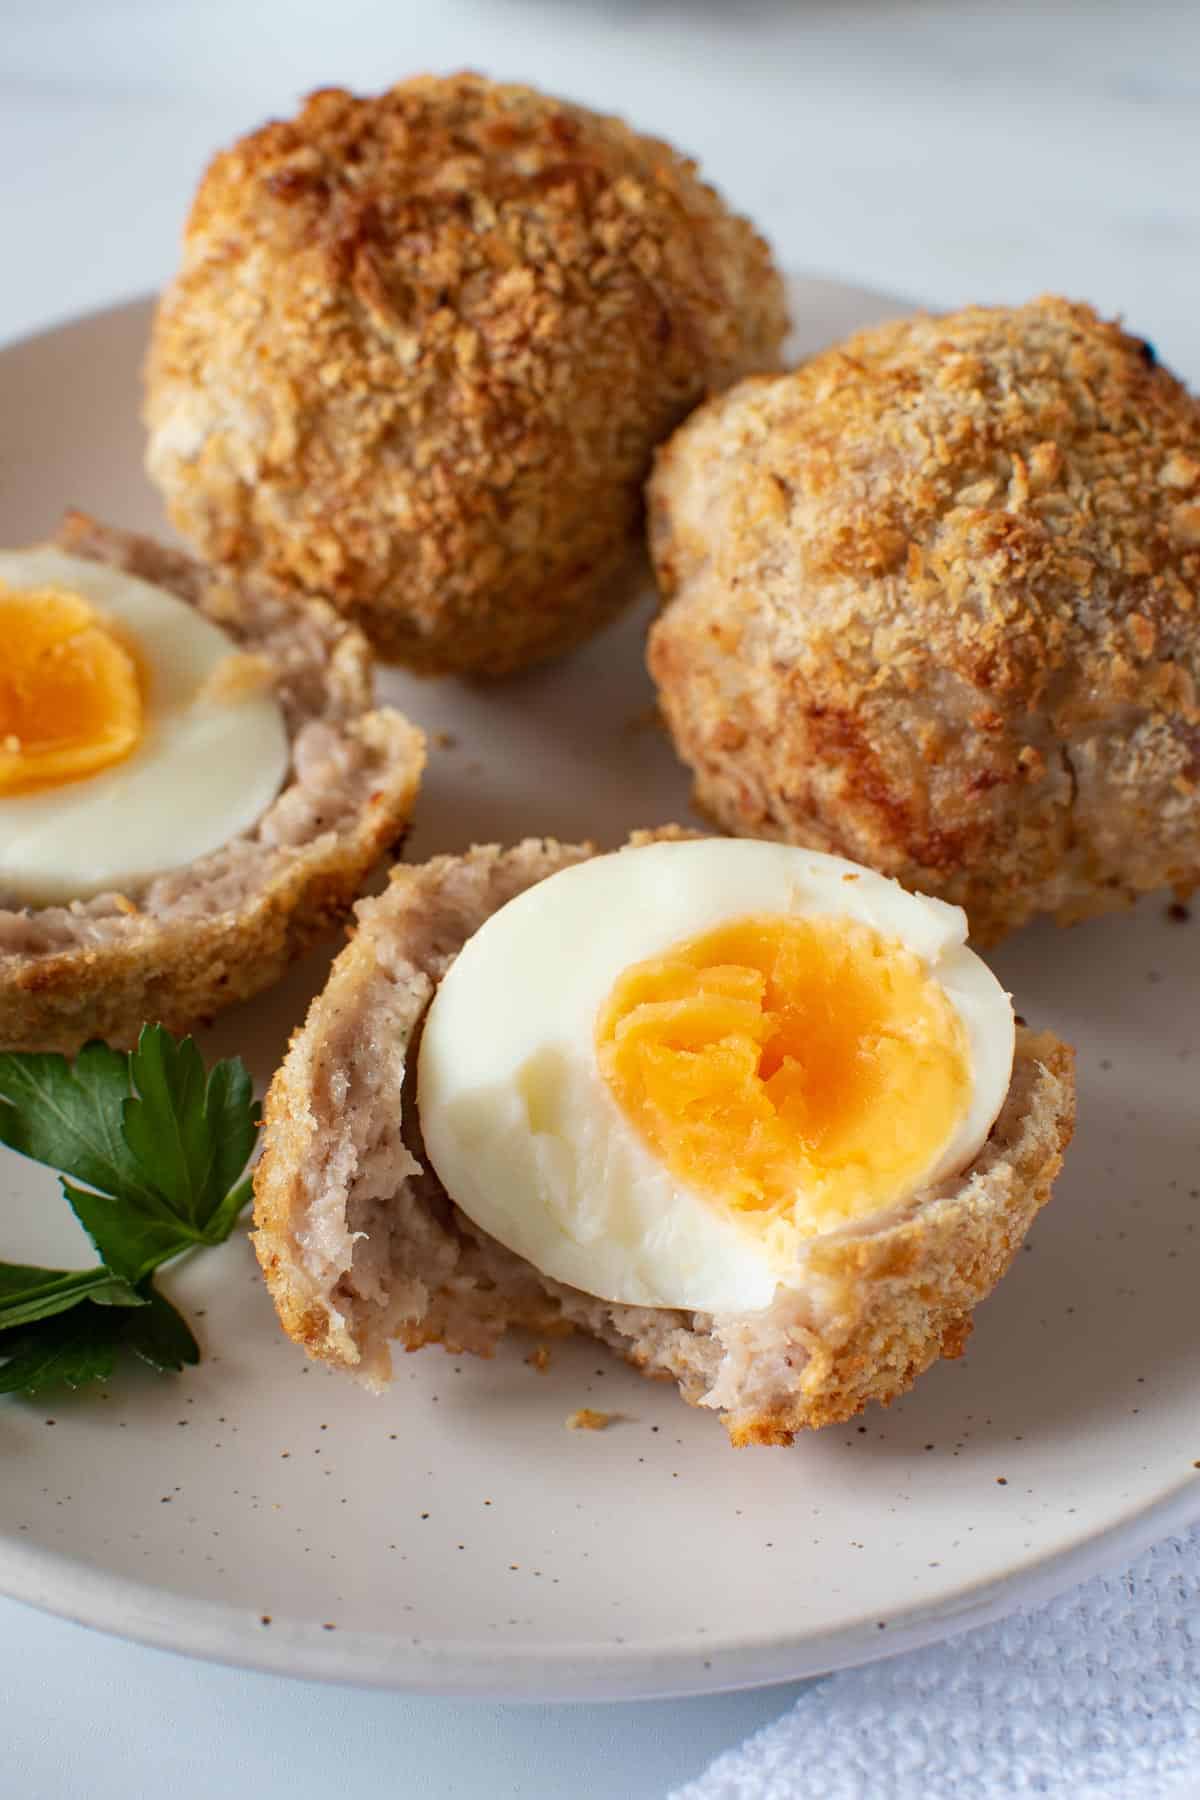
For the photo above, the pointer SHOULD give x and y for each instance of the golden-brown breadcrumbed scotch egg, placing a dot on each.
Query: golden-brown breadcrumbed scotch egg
(193, 784)
(421, 348)
(753, 1115)
(932, 601)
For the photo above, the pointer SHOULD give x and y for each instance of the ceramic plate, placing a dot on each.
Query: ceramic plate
(454, 1537)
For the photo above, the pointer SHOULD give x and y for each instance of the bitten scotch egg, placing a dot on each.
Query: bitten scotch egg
(193, 784)
(752, 1114)
(656, 1076)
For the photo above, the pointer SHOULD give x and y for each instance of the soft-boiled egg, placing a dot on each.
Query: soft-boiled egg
(134, 736)
(658, 1074)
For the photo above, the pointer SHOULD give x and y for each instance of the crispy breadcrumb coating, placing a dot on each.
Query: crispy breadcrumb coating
(932, 604)
(421, 349)
(191, 942)
(360, 1243)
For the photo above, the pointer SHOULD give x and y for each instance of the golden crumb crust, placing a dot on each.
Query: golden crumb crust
(931, 602)
(196, 940)
(360, 1244)
(900, 1298)
(421, 348)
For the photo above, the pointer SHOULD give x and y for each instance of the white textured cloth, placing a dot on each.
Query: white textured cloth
(1095, 1696)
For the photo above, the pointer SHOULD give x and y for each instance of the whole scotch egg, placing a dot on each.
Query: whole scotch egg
(930, 602)
(421, 348)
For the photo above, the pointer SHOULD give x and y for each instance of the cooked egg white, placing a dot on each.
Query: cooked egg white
(658, 1074)
(133, 739)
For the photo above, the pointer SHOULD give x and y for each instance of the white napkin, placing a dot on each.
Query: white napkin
(1093, 1697)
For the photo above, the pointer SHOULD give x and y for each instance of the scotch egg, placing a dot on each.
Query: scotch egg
(930, 602)
(751, 1115)
(656, 1074)
(194, 782)
(135, 735)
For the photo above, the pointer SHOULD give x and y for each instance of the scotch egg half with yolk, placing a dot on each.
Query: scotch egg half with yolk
(658, 1074)
(134, 737)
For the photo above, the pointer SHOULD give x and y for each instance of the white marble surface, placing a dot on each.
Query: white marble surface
(950, 150)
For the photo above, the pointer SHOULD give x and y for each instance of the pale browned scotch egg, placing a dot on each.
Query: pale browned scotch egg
(421, 348)
(932, 601)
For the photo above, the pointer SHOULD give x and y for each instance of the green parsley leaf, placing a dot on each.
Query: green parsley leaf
(132, 1240)
(160, 1335)
(159, 1145)
(230, 1211)
(27, 1294)
(192, 1136)
(157, 1152)
(69, 1351)
(84, 1347)
(72, 1118)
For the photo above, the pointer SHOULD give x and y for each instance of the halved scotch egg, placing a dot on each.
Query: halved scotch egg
(193, 782)
(657, 1074)
(753, 1115)
(136, 734)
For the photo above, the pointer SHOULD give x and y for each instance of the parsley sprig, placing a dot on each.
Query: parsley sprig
(152, 1152)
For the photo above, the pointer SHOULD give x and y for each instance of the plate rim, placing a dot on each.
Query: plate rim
(147, 1613)
(143, 1613)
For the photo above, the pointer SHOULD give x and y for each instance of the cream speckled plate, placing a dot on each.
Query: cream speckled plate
(454, 1537)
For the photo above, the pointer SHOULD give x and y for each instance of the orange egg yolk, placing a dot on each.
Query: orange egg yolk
(70, 697)
(799, 1068)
